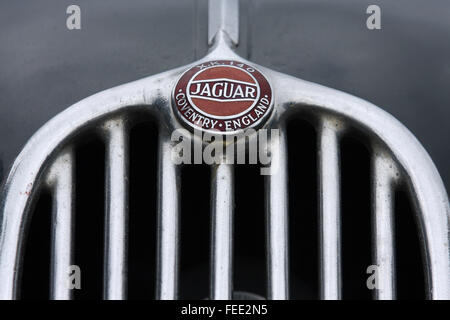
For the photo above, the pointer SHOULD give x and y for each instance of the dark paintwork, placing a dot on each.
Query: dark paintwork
(404, 68)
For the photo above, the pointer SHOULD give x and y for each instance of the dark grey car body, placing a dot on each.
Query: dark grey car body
(404, 67)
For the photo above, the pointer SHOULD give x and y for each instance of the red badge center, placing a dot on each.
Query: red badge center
(222, 96)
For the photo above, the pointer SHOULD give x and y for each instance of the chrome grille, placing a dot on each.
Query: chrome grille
(47, 161)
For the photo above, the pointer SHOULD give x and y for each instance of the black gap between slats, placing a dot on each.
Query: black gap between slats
(195, 226)
(303, 210)
(89, 221)
(142, 211)
(249, 231)
(410, 272)
(36, 263)
(356, 219)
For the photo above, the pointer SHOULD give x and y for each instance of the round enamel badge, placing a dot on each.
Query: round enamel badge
(222, 95)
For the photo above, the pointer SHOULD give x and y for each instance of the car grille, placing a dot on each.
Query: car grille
(47, 163)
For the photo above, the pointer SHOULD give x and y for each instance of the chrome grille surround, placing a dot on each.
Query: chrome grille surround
(47, 162)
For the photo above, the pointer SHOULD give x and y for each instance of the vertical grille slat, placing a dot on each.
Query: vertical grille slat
(116, 215)
(383, 227)
(277, 221)
(168, 224)
(329, 211)
(222, 202)
(61, 179)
